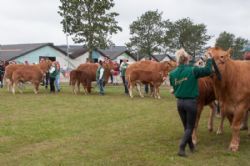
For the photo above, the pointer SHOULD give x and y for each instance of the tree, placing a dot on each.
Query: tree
(89, 21)
(227, 40)
(185, 34)
(147, 32)
(239, 44)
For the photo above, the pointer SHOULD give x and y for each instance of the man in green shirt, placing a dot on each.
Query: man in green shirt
(184, 80)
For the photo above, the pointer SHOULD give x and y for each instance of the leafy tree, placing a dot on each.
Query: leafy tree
(239, 44)
(89, 21)
(227, 40)
(147, 32)
(185, 34)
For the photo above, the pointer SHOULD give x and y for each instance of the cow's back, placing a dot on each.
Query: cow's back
(28, 73)
(10, 69)
(90, 69)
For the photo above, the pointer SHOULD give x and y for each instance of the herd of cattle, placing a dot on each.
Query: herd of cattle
(231, 88)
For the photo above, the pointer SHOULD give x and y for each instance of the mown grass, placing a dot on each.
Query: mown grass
(67, 129)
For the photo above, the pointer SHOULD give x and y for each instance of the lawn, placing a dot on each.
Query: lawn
(67, 129)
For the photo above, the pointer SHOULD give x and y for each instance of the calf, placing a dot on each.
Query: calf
(141, 76)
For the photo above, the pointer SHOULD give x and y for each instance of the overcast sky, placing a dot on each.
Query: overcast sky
(37, 21)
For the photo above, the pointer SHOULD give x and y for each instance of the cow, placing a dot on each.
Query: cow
(78, 76)
(8, 74)
(232, 89)
(30, 73)
(148, 65)
(139, 76)
(91, 68)
(206, 97)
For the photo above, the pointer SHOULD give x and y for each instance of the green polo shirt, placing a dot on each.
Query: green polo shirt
(184, 79)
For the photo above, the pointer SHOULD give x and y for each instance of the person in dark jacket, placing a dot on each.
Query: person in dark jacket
(2, 69)
(52, 76)
(184, 80)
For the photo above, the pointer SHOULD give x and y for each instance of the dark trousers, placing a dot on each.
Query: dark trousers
(125, 83)
(52, 84)
(146, 88)
(187, 109)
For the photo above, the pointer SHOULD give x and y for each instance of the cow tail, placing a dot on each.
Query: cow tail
(70, 81)
(129, 80)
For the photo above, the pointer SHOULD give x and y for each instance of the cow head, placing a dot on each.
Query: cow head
(108, 69)
(45, 65)
(219, 55)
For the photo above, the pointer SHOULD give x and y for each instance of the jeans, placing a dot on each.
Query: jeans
(187, 109)
(57, 82)
(101, 86)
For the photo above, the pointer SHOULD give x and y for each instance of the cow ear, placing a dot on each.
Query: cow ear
(229, 52)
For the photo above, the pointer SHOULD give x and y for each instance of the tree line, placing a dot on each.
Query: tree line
(92, 23)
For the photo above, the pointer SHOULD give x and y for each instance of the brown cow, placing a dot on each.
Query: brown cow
(232, 90)
(148, 65)
(206, 97)
(30, 73)
(91, 68)
(139, 76)
(78, 76)
(8, 74)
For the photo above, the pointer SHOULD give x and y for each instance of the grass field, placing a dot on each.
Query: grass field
(67, 129)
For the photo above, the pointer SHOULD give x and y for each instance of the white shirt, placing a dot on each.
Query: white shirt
(101, 72)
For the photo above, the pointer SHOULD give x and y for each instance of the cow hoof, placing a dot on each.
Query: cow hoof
(234, 148)
(219, 132)
(243, 127)
(195, 142)
(210, 129)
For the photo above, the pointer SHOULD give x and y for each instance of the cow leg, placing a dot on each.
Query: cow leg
(13, 87)
(158, 92)
(78, 86)
(8, 83)
(20, 87)
(194, 134)
(131, 89)
(236, 122)
(73, 85)
(36, 85)
(244, 124)
(211, 116)
(139, 89)
(221, 127)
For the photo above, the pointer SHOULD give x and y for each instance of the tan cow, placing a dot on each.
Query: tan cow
(232, 90)
(30, 73)
(8, 74)
(148, 65)
(139, 76)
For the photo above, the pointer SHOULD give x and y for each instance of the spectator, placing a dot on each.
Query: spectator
(2, 69)
(57, 81)
(100, 78)
(52, 77)
(123, 69)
